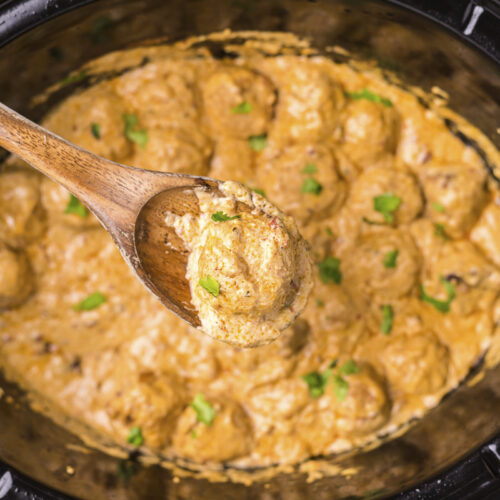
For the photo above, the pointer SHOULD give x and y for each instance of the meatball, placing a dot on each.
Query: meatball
(174, 150)
(16, 277)
(367, 268)
(475, 280)
(227, 437)
(93, 120)
(376, 182)
(370, 131)
(302, 181)
(455, 195)
(486, 233)
(238, 102)
(22, 218)
(416, 364)
(61, 206)
(366, 406)
(162, 93)
(308, 106)
(153, 404)
(250, 273)
(232, 160)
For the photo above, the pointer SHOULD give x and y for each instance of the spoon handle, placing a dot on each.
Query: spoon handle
(114, 193)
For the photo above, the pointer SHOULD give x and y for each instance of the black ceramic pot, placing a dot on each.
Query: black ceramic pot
(454, 452)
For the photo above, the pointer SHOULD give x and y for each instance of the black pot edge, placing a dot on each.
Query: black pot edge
(477, 475)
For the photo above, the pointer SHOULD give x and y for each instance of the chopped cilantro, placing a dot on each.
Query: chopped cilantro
(223, 217)
(93, 301)
(76, 207)
(390, 258)
(440, 231)
(73, 78)
(441, 305)
(311, 186)
(349, 367)
(135, 436)
(329, 270)
(387, 317)
(328, 231)
(438, 207)
(211, 285)
(243, 108)
(386, 204)
(340, 387)
(203, 409)
(320, 303)
(258, 142)
(259, 191)
(126, 470)
(95, 128)
(139, 136)
(310, 168)
(370, 96)
(316, 382)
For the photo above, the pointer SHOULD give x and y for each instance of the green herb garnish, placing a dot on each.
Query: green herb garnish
(258, 142)
(95, 128)
(223, 217)
(441, 305)
(204, 410)
(320, 303)
(329, 270)
(387, 317)
(73, 78)
(370, 96)
(438, 207)
(340, 387)
(76, 207)
(372, 222)
(135, 436)
(126, 470)
(316, 382)
(386, 204)
(139, 136)
(311, 186)
(243, 108)
(440, 231)
(349, 367)
(328, 231)
(211, 285)
(310, 168)
(390, 258)
(259, 191)
(91, 302)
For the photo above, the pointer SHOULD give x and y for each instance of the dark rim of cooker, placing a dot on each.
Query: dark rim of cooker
(476, 22)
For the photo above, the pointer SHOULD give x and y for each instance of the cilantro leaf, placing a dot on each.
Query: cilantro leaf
(370, 96)
(440, 231)
(211, 285)
(311, 186)
(259, 191)
(438, 207)
(329, 270)
(73, 78)
(387, 317)
(310, 168)
(340, 387)
(140, 136)
(258, 142)
(349, 367)
(95, 128)
(93, 301)
(328, 231)
(76, 207)
(203, 409)
(320, 303)
(390, 259)
(316, 382)
(223, 217)
(386, 204)
(135, 436)
(440, 305)
(243, 108)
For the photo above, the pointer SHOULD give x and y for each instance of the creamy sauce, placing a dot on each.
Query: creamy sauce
(403, 225)
(249, 270)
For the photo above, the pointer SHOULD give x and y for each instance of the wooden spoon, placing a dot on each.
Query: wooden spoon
(130, 203)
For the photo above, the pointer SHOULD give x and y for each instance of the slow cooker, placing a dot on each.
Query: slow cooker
(454, 451)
